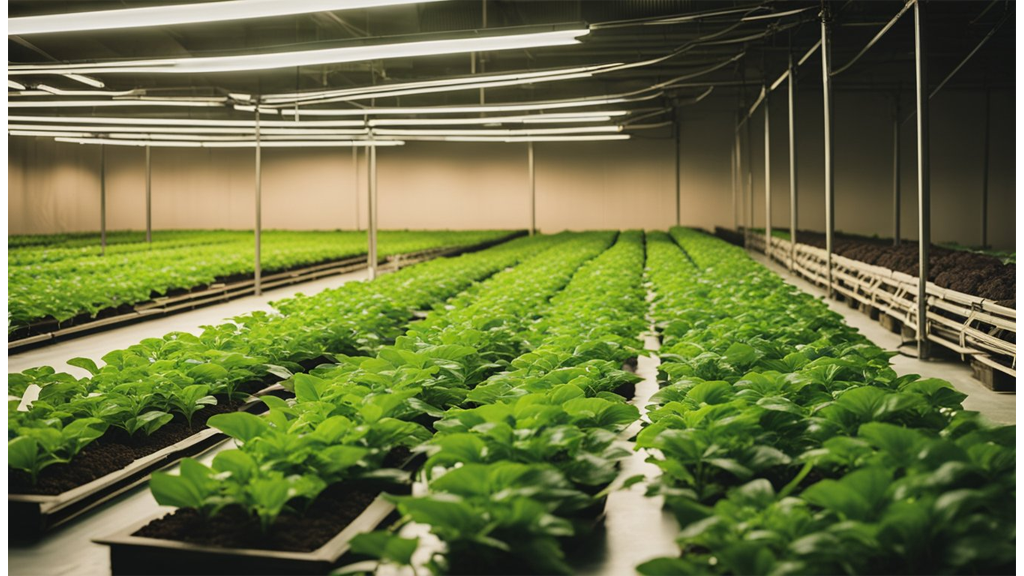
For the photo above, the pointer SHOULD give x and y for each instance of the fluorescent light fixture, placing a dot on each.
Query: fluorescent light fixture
(239, 97)
(520, 119)
(184, 130)
(108, 103)
(50, 133)
(129, 121)
(508, 139)
(85, 80)
(423, 87)
(488, 132)
(252, 108)
(239, 144)
(474, 109)
(182, 14)
(475, 41)
(15, 85)
(60, 92)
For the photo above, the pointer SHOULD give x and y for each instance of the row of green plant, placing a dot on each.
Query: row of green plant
(92, 239)
(145, 386)
(43, 253)
(347, 418)
(788, 445)
(527, 464)
(65, 288)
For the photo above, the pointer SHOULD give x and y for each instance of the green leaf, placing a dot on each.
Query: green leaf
(85, 363)
(239, 425)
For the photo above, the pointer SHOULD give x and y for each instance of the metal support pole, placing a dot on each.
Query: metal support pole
(532, 168)
(896, 199)
(737, 201)
(826, 82)
(732, 170)
(924, 215)
(678, 151)
(103, 200)
(372, 204)
(792, 164)
(258, 272)
(149, 195)
(984, 173)
(750, 182)
(355, 170)
(767, 177)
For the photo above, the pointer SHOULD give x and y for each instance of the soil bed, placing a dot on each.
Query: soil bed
(293, 531)
(968, 272)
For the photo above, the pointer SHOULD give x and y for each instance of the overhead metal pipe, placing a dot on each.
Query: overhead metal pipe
(767, 179)
(924, 215)
(258, 269)
(896, 199)
(371, 253)
(792, 164)
(103, 200)
(876, 38)
(532, 170)
(149, 195)
(826, 85)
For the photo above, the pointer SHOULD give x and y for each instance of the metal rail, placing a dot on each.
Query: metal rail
(967, 325)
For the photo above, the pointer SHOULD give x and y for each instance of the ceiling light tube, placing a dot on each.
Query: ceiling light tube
(183, 14)
(108, 103)
(181, 130)
(60, 92)
(488, 132)
(473, 41)
(474, 109)
(85, 80)
(240, 144)
(406, 86)
(132, 121)
(15, 85)
(519, 119)
(431, 90)
(504, 139)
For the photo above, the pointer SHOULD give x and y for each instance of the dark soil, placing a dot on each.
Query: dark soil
(975, 274)
(293, 531)
(112, 452)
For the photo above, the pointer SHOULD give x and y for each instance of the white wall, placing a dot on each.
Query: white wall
(54, 187)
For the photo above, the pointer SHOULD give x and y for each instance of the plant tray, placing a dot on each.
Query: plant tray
(32, 515)
(131, 554)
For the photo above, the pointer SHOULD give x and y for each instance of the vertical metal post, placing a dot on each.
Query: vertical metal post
(532, 168)
(257, 268)
(372, 205)
(149, 195)
(750, 180)
(984, 173)
(896, 199)
(826, 85)
(767, 176)
(355, 170)
(103, 200)
(732, 170)
(924, 215)
(678, 127)
(737, 201)
(792, 164)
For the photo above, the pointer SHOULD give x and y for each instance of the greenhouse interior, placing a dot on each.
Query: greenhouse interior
(605, 287)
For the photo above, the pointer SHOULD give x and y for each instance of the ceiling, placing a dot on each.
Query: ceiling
(743, 55)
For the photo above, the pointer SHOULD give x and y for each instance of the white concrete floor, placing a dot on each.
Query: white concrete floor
(997, 406)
